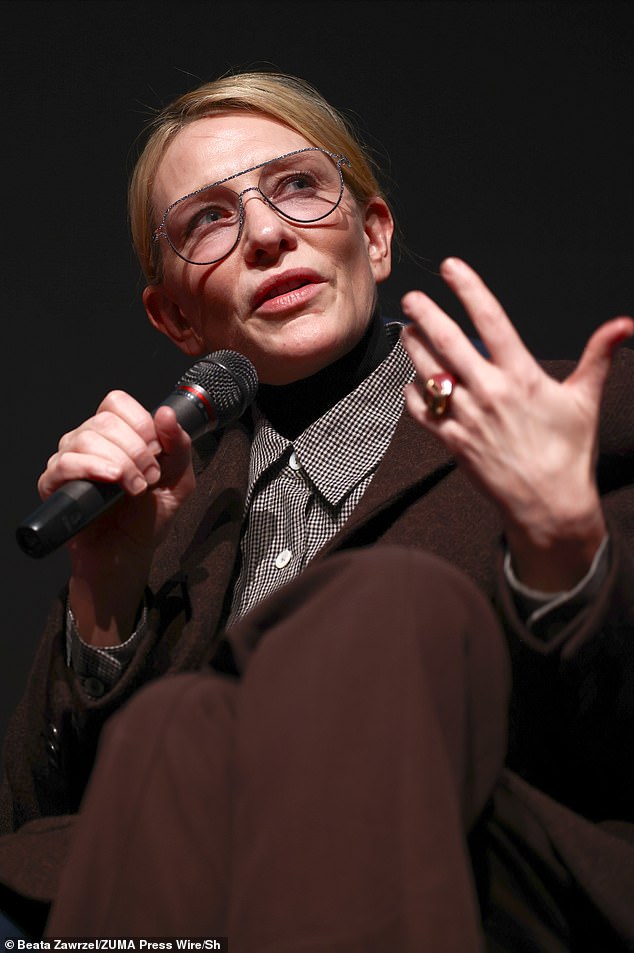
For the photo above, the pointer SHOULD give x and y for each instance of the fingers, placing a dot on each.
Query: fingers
(451, 348)
(427, 364)
(489, 317)
(175, 459)
(526, 440)
(594, 365)
(434, 341)
(121, 444)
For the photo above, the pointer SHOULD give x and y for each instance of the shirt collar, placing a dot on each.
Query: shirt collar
(347, 443)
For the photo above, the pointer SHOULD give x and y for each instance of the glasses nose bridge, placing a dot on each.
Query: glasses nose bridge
(260, 194)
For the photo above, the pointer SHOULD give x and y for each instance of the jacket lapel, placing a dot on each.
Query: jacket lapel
(414, 461)
(192, 570)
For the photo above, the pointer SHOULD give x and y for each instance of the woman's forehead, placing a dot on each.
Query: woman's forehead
(215, 147)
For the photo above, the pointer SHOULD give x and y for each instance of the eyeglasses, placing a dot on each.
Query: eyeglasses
(205, 226)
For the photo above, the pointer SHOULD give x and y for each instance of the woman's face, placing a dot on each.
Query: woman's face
(292, 298)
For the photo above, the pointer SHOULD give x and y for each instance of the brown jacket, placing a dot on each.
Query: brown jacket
(572, 710)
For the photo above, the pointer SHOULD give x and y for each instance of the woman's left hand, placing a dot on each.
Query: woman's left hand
(527, 440)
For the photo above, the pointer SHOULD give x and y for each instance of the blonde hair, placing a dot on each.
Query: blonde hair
(285, 98)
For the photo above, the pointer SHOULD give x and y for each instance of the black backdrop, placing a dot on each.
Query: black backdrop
(504, 129)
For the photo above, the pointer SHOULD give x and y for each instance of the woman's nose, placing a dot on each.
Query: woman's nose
(265, 231)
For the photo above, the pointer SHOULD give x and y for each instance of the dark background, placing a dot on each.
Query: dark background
(504, 130)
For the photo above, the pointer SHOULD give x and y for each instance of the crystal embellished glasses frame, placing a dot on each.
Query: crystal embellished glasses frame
(236, 226)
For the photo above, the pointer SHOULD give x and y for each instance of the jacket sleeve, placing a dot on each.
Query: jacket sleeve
(53, 735)
(572, 717)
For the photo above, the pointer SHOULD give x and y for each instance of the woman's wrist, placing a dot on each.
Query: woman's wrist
(105, 594)
(554, 555)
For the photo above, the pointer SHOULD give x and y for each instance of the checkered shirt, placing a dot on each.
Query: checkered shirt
(301, 492)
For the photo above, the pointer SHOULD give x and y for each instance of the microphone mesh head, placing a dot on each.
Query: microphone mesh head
(229, 379)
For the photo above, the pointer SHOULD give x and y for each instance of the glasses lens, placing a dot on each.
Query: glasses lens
(304, 187)
(204, 226)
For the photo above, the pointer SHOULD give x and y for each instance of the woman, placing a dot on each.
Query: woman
(335, 669)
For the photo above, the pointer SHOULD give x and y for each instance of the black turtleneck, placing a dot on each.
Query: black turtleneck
(291, 408)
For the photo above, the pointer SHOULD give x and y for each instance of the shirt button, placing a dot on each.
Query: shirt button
(283, 559)
(93, 686)
(293, 462)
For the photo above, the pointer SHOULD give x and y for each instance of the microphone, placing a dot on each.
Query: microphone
(210, 395)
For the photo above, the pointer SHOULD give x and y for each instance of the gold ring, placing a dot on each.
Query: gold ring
(437, 393)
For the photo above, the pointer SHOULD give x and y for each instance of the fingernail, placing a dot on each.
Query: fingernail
(408, 300)
(153, 473)
(138, 485)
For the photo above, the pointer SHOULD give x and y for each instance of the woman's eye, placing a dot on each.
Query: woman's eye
(290, 183)
(208, 217)
(300, 182)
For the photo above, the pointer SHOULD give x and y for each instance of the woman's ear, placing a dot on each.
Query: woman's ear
(166, 317)
(379, 228)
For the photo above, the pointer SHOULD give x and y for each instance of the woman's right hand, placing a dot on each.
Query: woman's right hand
(150, 458)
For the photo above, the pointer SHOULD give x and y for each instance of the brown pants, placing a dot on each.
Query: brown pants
(320, 802)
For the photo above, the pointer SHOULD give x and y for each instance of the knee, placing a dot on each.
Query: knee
(371, 602)
(411, 589)
(385, 573)
(438, 594)
(424, 598)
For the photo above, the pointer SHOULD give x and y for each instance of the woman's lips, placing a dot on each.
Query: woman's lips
(289, 300)
(286, 292)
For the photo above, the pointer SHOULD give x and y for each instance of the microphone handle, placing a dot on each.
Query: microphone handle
(65, 513)
(77, 503)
